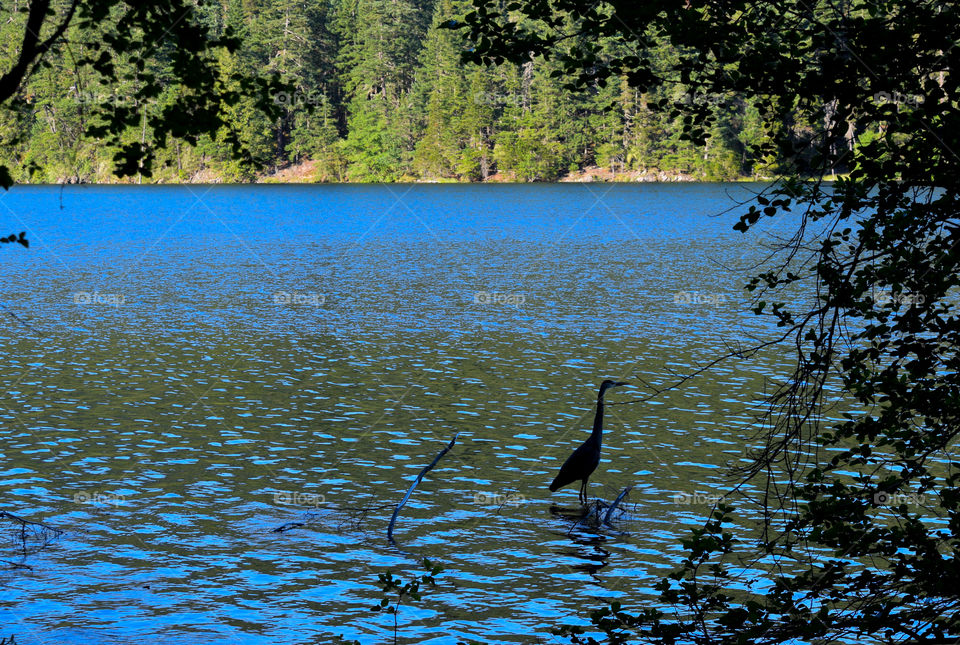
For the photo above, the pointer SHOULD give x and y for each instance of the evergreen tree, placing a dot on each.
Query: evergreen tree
(379, 50)
(373, 90)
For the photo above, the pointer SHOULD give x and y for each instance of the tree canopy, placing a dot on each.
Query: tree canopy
(861, 520)
(349, 90)
(102, 73)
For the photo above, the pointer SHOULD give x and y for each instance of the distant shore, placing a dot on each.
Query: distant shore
(306, 172)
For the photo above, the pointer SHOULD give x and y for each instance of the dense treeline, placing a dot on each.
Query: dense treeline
(377, 92)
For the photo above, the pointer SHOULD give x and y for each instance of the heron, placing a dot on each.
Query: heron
(584, 460)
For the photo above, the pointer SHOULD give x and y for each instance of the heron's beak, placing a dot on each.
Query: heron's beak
(619, 384)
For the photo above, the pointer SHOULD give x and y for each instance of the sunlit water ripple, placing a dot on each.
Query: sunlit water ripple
(183, 362)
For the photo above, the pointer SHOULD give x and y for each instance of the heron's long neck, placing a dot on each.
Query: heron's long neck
(598, 420)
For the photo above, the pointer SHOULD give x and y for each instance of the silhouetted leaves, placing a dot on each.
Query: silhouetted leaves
(861, 528)
(396, 588)
(158, 50)
(22, 239)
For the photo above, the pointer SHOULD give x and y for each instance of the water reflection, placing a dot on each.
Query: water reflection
(584, 531)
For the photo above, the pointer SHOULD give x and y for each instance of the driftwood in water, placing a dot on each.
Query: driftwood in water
(616, 502)
(341, 516)
(286, 527)
(597, 510)
(423, 472)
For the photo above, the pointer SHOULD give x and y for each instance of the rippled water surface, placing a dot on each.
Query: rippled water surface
(186, 369)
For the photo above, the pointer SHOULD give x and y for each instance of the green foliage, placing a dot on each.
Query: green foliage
(20, 239)
(396, 590)
(106, 85)
(367, 90)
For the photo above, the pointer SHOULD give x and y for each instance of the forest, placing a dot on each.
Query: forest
(374, 91)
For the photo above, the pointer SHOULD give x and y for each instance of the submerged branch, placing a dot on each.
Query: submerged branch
(616, 502)
(419, 478)
(43, 533)
(340, 515)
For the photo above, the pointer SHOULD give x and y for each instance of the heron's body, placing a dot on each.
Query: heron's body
(585, 459)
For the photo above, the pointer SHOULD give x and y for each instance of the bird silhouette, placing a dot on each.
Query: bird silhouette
(581, 464)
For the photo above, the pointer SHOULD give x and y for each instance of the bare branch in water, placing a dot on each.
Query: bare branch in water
(423, 472)
(353, 516)
(26, 532)
(616, 502)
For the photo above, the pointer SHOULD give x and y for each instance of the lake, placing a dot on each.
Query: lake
(188, 368)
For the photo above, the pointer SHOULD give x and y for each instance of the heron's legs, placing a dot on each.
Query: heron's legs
(583, 491)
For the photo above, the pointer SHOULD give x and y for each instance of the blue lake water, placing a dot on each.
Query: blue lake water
(187, 368)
